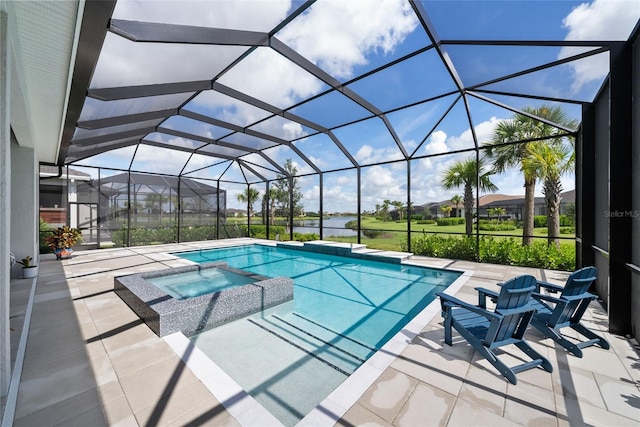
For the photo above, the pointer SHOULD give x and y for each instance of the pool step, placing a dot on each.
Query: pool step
(339, 352)
(334, 339)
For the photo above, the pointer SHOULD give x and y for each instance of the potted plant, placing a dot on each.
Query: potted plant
(29, 271)
(62, 239)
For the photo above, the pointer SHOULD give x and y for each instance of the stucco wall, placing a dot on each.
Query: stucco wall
(24, 202)
(635, 194)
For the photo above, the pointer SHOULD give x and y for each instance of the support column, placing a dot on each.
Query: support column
(585, 188)
(359, 209)
(24, 203)
(620, 189)
(5, 203)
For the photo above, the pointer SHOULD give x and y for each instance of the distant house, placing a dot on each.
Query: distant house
(57, 192)
(513, 206)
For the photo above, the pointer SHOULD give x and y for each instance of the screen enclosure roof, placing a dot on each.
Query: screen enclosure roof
(230, 89)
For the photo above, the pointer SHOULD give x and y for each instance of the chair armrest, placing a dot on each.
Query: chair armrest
(541, 297)
(550, 287)
(448, 300)
(524, 309)
(483, 293)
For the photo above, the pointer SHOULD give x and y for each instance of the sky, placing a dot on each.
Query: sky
(346, 40)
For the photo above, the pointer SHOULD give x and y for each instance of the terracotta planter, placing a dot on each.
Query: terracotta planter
(63, 253)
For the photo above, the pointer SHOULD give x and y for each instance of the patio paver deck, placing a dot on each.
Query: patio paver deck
(91, 361)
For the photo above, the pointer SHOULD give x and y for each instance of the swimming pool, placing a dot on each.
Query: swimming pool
(291, 357)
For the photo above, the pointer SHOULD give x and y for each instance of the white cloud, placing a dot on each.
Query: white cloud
(254, 15)
(160, 160)
(368, 155)
(380, 183)
(268, 76)
(602, 20)
(440, 143)
(599, 20)
(363, 153)
(337, 35)
(437, 143)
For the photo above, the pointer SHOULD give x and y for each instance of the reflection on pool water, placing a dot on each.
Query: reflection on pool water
(292, 356)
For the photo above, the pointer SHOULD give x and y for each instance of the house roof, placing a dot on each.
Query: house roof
(47, 170)
(567, 197)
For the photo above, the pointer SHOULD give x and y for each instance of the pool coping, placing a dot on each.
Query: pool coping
(249, 412)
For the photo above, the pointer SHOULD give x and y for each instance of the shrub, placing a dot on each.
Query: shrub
(496, 226)
(450, 221)
(426, 221)
(567, 221)
(259, 231)
(372, 234)
(416, 217)
(353, 224)
(507, 251)
(305, 237)
(45, 231)
(444, 246)
(198, 233)
(567, 230)
(539, 221)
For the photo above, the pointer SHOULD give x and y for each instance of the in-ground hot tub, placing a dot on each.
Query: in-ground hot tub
(194, 298)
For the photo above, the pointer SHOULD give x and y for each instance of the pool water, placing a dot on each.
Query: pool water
(196, 283)
(289, 358)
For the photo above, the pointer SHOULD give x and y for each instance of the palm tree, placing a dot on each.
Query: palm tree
(525, 128)
(399, 207)
(456, 200)
(446, 210)
(250, 196)
(550, 162)
(385, 210)
(464, 174)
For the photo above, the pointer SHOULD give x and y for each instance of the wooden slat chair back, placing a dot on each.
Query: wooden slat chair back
(555, 313)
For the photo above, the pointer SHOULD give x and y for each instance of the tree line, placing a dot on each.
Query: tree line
(541, 151)
(283, 198)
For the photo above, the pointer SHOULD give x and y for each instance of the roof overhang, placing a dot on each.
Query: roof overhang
(43, 41)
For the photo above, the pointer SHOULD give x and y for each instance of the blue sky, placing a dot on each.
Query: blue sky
(345, 40)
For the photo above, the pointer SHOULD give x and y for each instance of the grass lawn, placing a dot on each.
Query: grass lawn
(396, 233)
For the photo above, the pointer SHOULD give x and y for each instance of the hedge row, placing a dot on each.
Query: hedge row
(156, 236)
(496, 226)
(540, 221)
(450, 221)
(508, 251)
(426, 221)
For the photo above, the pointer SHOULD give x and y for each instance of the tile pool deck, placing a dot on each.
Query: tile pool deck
(90, 361)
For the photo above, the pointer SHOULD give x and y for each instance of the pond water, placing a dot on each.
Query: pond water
(333, 226)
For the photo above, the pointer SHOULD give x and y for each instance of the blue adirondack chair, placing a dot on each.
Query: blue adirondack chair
(555, 313)
(487, 330)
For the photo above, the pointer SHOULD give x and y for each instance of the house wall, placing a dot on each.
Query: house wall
(5, 202)
(635, 195)
(24, 202)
